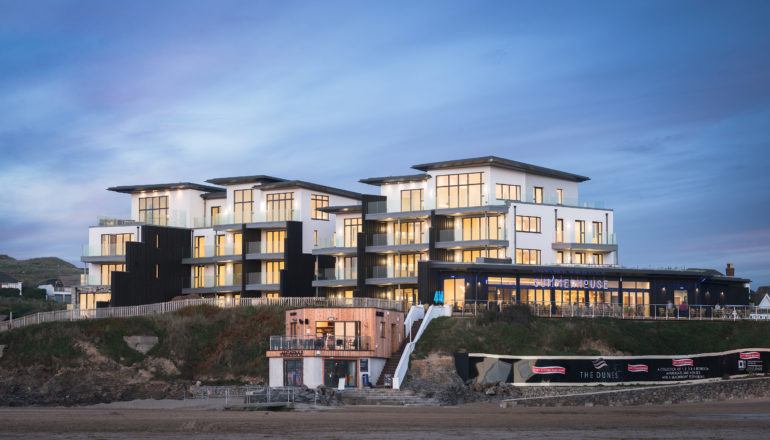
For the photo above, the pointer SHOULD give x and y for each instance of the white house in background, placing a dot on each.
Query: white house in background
(765, 303)
(9, 282)
(62, 289)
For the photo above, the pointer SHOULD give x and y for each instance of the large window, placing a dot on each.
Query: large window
(482, 228)
(243, 205)
(237, 243)
(219, 245)
(292, 372)
(459, 190)
(280, 206)
(274, 241)
(347, 268)
(215, 212)
(560, 230)
(508, 192)
(351, 228)
(411, 200)
(409, 232)
(154, 210)
(471, 255)
(317, 202)
(527, 256)
(559, 257)
(405, 265)
(559, 196)
(454, 291)
(580, 231)
(273, 272)
(527, 224)
(115, 244)
(199, 246)
(579, 258)
(199, 276)
(537, 194)
(107, 270)
(221, 275)
(598, 233)
(598, 259)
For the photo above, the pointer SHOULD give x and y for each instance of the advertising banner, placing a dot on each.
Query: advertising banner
(584, 370)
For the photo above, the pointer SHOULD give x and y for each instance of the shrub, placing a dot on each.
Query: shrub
(515, 314)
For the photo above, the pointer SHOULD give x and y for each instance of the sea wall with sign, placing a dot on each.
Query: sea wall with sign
(610, 370)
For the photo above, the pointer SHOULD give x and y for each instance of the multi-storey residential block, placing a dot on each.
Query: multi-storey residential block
(471, 230)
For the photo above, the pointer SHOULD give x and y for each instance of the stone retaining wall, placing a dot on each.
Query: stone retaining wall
(653, 395)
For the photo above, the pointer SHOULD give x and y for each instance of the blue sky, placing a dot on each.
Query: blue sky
(666, 106)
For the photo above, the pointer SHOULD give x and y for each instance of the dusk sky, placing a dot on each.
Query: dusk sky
(666, 106)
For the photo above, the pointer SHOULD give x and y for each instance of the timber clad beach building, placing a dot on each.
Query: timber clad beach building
(467, 233)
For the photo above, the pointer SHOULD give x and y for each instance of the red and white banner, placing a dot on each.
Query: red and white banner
(549, 370)
(638, 368)
(750, 355)
(682, 362)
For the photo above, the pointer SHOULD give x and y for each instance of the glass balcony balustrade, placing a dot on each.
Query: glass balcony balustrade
(223, 250)
(398, 238)
(229, 218)
(328, 342)
(338, 273)
(173, 217)
(481, 234)
(104, 250)
(223, 280)
(263, 278)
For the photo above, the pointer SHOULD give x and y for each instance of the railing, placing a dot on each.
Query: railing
(620, 311)
(553, 199)
(173, 306)
(397, 239)
(329, 342)
(588, 239)
(103, 250)
(173, 217)
(484, 234)
(208, 281)
(229, 218)
(378, 207)
(415, 314)
(391, 272)
(263, 247)
(112, 221)
(403, 363)
(263, 277)
(226, 249)
(335, 242)
(331, 274)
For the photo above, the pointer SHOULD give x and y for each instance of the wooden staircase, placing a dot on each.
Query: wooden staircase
(392, 363)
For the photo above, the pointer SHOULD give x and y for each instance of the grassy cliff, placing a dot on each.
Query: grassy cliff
(521, 334)
(89, 361)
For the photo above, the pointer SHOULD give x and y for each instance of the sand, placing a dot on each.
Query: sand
(746, 419)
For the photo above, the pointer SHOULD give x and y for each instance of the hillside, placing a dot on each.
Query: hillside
(31, 272)
(524, 335)
(89, 361)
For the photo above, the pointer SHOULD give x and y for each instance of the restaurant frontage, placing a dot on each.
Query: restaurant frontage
(558, 287)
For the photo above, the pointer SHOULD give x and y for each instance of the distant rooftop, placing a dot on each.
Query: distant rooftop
(287, 184)
(5, 278)
(130, 189)
(379, 181)
(259, 178)
(502, 163)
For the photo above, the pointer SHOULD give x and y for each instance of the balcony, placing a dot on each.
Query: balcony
(256, 219)
(379, 211)
(569, 202)
(263, 281)
(104, 253)
(597, 243)
(174, 218)
(229, 282)
(398, 242)
(387, 275)
(214, 254)
(455, 239)
(336, 245)
(264, 250)
(329, 342)
(336, 277)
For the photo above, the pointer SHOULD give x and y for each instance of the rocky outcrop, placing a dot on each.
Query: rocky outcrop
(142, 344)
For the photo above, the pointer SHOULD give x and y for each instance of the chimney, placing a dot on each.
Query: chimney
(730, 270)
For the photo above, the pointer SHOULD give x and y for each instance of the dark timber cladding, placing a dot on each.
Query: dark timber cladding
(367, 261)
(297, 275)
(701, 287)
(154, 270)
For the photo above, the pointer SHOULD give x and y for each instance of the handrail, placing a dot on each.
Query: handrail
(403, 363)
(415, 314)
(173, 306)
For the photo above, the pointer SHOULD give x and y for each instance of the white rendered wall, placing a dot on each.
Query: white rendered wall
(275, 366)
(183, 204)
(393, 192)
(312, 371)
(375, 368)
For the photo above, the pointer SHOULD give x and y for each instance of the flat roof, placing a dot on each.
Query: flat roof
(259, 178)
(287, 184)
(379, 181)
(130, 189)
(214, 195)
(501, 163)
(587, 270)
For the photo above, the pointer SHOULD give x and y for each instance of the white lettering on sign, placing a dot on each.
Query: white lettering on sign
(567, 283)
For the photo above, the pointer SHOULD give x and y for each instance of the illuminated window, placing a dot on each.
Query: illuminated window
(405, 265)
(273, 272)
(454, 291)
(275, 241)
(221, 275)
(243, 205)
(280, 206)
(559, 196)
(598, 233)
(579, 258)
(153, 210)
(351, 228)
(199, 246)
(598, 259)
(559, 257)
(411, 200)
(317, 202)
(199, 276)
(115, 244)
(409, 232)
(214, 215)
(527, 224)
(560, 230)
(459, 190)
(507, 192)
(537, 194)
(580, 231)
(237, 243)
(471, 255)
(482, 228)
(106, 272)
(219, 246)
(527, 256)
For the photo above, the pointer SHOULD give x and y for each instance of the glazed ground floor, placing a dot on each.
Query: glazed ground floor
(333, 372)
